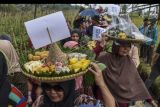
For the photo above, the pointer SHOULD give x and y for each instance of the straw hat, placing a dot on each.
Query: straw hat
(54, 79)
(121, 36)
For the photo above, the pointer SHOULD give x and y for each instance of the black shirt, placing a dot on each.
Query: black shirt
(158, 51)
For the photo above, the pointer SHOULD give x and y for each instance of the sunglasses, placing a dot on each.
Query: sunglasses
(55, 87)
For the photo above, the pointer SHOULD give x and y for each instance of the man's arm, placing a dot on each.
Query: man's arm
(154, 58)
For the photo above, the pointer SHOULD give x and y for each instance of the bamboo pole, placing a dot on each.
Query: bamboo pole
(55, 53)
(35, 10)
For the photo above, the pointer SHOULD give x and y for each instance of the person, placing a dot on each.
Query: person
(74, 42)
(143, 29)
(103, 24)
(10, 96)
(76, 22)
(89, 22)
(152, 33)
(5, 37)
(121, 75)
(62, 94)
(34, 91)
(155, 70)
(82, 26)
(134, 54)
(79, 80)
(75, 36)
(71, 44)
(15, 75)
(95, 22)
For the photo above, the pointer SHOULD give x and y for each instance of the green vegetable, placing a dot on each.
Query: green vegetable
(101, 66)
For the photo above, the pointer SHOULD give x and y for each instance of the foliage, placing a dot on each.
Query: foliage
(144, 71)
(8, 8)
(12, 23)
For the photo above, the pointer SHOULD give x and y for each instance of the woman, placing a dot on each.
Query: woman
(5, 37)
(63, 95)
(152, 32)
(10, 96)
(121, 75)
(15, 75)
(71, 44)
(143, 29)
(75, 36)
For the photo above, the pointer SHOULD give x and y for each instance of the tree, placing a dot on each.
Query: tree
(8, 8)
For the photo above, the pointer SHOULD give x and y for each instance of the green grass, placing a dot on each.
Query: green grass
(13, 24)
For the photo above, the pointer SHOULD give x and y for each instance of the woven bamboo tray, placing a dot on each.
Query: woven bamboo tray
(54, 79)
(127, 39)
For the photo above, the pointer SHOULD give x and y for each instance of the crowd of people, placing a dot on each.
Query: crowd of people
(116, 86)
(149, 29)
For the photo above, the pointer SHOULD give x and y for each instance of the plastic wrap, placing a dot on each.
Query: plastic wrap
(123, 23)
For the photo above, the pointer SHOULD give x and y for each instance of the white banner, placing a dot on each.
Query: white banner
(113, 9)
(97, 31)
(37, 29)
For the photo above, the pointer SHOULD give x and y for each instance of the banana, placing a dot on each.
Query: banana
(73, 60)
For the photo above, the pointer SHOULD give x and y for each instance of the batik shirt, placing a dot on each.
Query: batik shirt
(16, 98)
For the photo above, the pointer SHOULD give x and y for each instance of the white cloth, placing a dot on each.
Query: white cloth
(7, 48)
(134, 55)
